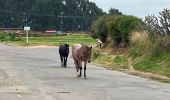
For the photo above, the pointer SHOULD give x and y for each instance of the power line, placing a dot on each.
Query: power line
(22, 17)
(48, 15)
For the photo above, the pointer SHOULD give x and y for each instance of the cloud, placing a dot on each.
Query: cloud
(139, 8)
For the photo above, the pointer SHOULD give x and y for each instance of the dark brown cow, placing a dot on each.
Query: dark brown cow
(64, 52)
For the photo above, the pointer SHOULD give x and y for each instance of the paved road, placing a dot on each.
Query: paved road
(35, 74)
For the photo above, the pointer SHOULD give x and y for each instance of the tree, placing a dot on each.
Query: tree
(165, 21)
(152, 25)
(113, 11)
(158, 25)
(46, 14)
(122, 26)
(102, 31)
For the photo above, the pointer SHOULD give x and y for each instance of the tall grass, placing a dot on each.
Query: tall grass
(142, 44)
(150, 54)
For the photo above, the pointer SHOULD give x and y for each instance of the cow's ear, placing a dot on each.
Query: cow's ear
(67, 45)
(90, 47)
(87, 47)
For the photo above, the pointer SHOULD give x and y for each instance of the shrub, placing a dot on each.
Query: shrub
(122, 26)
(99, 29)
(3, 36)
(102, 31)
(12, 36)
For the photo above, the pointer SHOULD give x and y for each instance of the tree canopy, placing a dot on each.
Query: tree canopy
(77, 15)
(113, 11)
(116, 27)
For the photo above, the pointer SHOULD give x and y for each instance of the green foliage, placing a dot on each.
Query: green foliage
(122, 26)
(160, 25)
(100, 27)
(7, 36)
(118, 27)
(113, 11)
(155, 64)
(148, 65)
(135, 52)
(150, 54)
(3, 36)
(12, 36)
(102, 31)
(144, 54)
(118, 60)
(46, 14)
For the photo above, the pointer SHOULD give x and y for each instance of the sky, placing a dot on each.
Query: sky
(139, 8)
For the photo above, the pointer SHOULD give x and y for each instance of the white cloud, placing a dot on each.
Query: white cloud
(138, 8)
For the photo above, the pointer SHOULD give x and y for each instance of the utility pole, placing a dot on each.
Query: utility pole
(61, 27)
(73, 19)
(26, 28)
(3, 23)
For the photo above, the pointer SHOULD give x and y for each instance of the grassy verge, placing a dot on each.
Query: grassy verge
(145, 56)
(56, 40)
(115, 62)
(155, 64)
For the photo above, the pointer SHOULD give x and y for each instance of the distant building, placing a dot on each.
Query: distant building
(18, 31)
(7, 30)
(49, 33)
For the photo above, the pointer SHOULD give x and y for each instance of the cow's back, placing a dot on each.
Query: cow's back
(64, 50)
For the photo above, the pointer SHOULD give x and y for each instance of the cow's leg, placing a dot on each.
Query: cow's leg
(100, 45)
(80, 66)
(77, 68)
(85, 69)
(61, 60)
(65, 62)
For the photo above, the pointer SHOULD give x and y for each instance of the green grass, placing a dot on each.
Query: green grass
(110, 61)
(145, 54)
(57, 40)
(118, 60)
(157, 64)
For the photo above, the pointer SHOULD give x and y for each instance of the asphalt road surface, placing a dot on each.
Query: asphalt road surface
(35, 74)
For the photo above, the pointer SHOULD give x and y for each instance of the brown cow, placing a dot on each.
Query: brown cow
(81, 53)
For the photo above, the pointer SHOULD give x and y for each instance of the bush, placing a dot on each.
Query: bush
(7, 36)
(99, 29)
(122, 26)
(102, 31)
(3, 36)
(12, 36)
